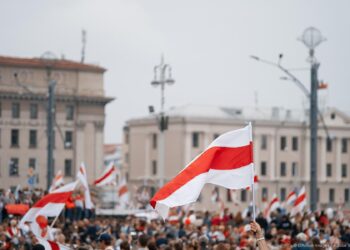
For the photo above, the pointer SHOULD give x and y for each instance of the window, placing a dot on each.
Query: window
(283, 194)
(243, 195)
(32, 138)
(346, 195)
(283, 143)
(263, 144)
(154, 141)
(15, 110)
(331, 195)
(294, 169)
(216, 194)
(344, 145)
(13, 168)
(263, 170)
(68, 171)
(344, 170)
(33, 111)
(329, 169)
(14, 138)
(295, 144)
(329, 145)
(68, 140)
(228, 195)
(333, 116)
(0, 109)
(264, 194)
(154, 167)
(283, 169)
(32, 163)
(195, 139)
(69, 112)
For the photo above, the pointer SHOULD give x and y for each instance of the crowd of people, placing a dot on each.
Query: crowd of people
(192, 230)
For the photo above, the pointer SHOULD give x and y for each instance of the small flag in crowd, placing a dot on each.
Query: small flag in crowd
(57, 181)
(300, 202)
(50, 245)
(123, 193)
(256, 181)
(82, 177)
(272, 206)
(291, 198)
(227, 162)
(108, 176)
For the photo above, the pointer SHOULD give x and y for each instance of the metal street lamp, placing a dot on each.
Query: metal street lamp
(311, 37)
(162, 77)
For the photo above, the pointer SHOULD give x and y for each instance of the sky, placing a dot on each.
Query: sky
(208, 44)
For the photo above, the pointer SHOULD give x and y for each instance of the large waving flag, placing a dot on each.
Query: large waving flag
(57, 181)
(50, 205)
(300, 202)
(108, 176)
(82, 177)
(227, 162)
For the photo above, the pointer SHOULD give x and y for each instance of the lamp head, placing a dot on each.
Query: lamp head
(170, 81)
(155, 83)
(312, 37)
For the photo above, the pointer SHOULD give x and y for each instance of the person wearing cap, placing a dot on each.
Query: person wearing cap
(105, 241)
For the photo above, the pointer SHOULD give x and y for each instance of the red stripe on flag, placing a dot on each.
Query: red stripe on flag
(53, 198)
(53, 245)
(300, 199)
(104, 176)
(290, 195)
(217, 158)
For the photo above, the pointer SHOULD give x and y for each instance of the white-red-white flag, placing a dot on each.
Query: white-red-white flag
(108, 176)
(50, 205)
(300, 202)
(292, 196)
(227, 162)
(256, 183)
(82, 177)
(272, 206)
(123, 193)
(57, 181)
(51, 245)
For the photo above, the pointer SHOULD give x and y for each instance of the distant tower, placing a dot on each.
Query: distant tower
(83, 41)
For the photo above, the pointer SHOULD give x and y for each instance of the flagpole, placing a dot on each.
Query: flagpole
(253, 187)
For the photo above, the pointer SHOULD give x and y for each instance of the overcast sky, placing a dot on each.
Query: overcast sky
(207, 42)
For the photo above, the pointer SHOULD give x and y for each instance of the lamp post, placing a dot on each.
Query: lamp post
(49, 60)
(311, 37)
(162, 77)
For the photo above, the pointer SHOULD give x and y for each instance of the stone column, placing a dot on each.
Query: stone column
(322, 164)
(80, 143)
(337, 166)
(272, 163)
(98, 149)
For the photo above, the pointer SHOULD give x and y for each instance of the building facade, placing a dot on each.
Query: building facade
(281, 151)
(79, 119)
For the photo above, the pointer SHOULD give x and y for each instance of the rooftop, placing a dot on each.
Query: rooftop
(57, 64)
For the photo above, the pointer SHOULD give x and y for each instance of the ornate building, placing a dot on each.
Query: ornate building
(79, 116)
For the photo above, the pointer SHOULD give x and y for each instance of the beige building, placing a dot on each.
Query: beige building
(281, 150)
(78, 135)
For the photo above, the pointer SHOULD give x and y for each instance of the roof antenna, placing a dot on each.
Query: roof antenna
(83, 41)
